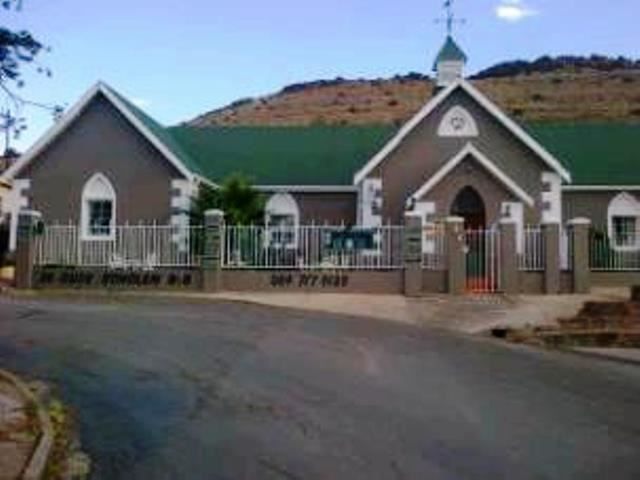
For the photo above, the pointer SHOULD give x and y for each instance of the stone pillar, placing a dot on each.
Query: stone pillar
(211, 258)
(456, 260)
(413, 254)
(551, 243)
(509, 274)
(579, 238)
(25, 248)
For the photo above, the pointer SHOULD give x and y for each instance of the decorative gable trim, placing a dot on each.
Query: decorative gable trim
(512, 126)
(67, 119)
(491, 167)
(458, 122)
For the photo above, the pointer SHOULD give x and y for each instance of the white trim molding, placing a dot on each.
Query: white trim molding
(370, 201)
(17, 200)
(97, 188)
(182, 193)
(512, 126)
(600, 188)
(624, 205)
(551, 197)
(470, 150)
(513, 212)
(458, 122)
(61, 125)
(284, 205)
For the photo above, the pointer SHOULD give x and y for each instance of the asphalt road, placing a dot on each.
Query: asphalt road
(207, 391)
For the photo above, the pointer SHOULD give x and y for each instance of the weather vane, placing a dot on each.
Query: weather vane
(450, 19)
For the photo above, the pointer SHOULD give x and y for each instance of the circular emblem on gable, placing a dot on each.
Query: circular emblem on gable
(457, 122)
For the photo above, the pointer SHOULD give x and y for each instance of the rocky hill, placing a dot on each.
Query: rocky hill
(547, 89)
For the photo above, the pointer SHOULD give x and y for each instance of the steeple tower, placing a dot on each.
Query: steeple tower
(451, 60)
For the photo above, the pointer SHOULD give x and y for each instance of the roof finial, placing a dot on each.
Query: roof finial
(450, 18)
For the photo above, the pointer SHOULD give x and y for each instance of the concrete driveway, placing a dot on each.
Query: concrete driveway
(230, 391)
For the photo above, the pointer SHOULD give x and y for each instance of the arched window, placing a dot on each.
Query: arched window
(458, 122)
(282, 217)
(98, 216)
(623, 218)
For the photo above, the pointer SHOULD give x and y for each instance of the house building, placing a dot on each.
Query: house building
(106, 162)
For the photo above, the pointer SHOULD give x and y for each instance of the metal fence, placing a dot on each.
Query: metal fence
(531, 258)
(312, 247)
(129, 246)
(482, 260)
(433, 247)
(619, 251)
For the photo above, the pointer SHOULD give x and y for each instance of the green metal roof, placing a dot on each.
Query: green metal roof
(450, 51)
(283, 155)
(594, 153)
(160, 132)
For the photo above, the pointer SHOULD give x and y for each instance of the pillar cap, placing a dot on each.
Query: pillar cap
(507, 221)
(214, 213)
(30, 213)
(549, 223)
(413, 213)
(580, 221)
(453, 219)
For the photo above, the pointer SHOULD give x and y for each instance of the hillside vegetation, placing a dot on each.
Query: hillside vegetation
(547, 89)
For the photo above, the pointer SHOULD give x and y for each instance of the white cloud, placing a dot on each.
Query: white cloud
(514, 10)
(140, 102)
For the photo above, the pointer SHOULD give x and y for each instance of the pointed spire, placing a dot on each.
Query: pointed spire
(450, 52)
(450, 61)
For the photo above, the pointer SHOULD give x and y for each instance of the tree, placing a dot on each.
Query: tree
(241, 203)
(18, 49)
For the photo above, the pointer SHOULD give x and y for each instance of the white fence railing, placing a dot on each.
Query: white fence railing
(482, 260)
(531, 258)
(129, 246)
(433, 247)
(312, 247)
(619, 252)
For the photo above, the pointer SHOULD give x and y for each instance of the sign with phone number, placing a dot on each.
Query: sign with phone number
(309, 280)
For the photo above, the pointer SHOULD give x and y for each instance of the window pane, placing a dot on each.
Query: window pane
(100, 217)
(624, 231)
(281, 229)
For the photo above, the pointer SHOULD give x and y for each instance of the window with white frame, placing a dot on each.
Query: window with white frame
(282, 217)
(623, 217)
(98, 214)
(624, 231)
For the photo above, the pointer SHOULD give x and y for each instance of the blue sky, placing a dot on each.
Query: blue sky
(178, 59)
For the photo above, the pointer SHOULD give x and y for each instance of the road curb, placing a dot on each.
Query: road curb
(603, 356)
(38, 461)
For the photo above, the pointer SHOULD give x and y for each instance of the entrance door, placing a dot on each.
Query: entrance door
(482, 244)
(468, 204)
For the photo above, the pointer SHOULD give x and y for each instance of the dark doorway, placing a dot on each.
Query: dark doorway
(468, 204)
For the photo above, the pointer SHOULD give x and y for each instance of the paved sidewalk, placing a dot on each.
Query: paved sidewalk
(626, 355)
(471, 314)
(468, 314)
(17, 432)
